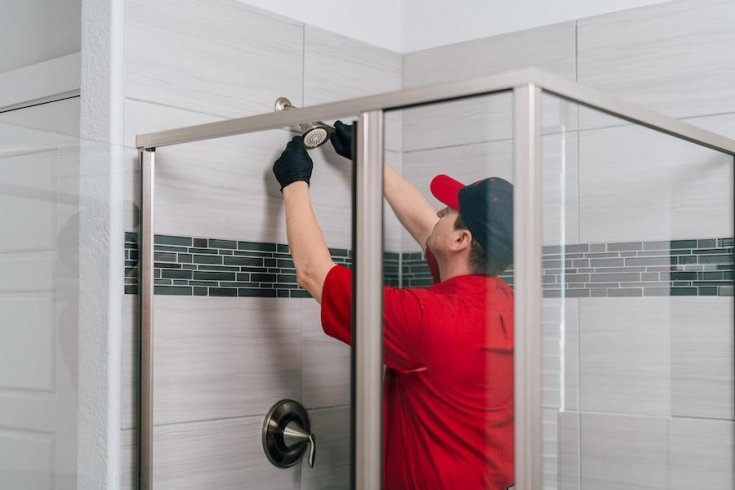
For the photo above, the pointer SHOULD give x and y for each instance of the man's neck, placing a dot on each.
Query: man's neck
(453, 268)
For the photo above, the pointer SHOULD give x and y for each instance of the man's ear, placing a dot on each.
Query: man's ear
(462, 239)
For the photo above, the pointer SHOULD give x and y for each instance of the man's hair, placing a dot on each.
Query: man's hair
(480, 262)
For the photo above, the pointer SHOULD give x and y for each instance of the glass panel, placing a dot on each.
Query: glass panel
(59, 203)
(448, 353)
(638, 315)
(234, 333)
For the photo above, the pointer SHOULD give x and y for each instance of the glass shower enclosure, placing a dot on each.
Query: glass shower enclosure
(622, 274)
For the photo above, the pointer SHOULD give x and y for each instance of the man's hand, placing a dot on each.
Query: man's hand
(294, 164)
(342, 138)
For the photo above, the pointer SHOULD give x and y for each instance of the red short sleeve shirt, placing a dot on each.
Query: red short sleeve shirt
(448, 387)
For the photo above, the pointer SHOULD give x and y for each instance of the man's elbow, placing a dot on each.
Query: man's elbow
(310, 283)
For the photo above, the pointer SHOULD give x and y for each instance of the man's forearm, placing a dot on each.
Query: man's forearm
(412, 209)
(308, 248)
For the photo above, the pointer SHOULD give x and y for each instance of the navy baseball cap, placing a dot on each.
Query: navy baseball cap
(486, 208)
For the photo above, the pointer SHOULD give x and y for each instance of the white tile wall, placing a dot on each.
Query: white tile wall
(487, 118)
(337, 67)
(459, 122)
(673, 57)
(702, 358)
(219, 57)
(624, 363)
(700, 454)
(224, 357)
(325, 373)
(222, 454)
(623, 453)
(636, 184)
(331, 471)
(550, 48)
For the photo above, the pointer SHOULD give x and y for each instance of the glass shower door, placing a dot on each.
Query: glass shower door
(638, 310)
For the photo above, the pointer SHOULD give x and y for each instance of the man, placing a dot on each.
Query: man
(448, 387)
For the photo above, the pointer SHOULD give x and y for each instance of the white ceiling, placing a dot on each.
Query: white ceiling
(412, 25)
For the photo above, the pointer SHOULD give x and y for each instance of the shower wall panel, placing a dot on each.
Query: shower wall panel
(481, 119)
(673, 57)
(217, 57)
(222, 362)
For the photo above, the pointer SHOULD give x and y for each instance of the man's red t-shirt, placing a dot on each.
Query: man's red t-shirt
(448, 386)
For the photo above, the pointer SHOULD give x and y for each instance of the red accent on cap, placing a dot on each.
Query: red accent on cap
(446, 189)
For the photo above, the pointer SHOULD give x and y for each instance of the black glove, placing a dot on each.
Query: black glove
(342, 138)
(294, 164)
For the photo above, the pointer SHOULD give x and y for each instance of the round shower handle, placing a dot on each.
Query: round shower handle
(286, 434)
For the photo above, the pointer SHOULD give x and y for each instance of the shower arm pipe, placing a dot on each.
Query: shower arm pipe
(403, 99)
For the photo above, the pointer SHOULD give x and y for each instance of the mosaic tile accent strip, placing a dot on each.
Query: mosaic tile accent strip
(212, 267)
(661, 268)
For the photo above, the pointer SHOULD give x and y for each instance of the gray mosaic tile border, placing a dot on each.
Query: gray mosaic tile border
(661, 268)
(212, 267)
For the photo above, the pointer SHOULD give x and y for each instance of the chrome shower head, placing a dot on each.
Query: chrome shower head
(315, 133)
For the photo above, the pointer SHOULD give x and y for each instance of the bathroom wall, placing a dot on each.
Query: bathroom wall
(648, 381)
(252, 337)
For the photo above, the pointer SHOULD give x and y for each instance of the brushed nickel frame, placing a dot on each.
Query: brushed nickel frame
(367, 335)
(528, 85)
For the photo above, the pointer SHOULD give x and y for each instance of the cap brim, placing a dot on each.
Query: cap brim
(446, 189)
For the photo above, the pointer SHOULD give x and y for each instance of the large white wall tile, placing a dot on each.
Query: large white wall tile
(549, 47)
(700, 454)
(625, 355)
(224, 357)
(458, 122)
(638, 184)
(673, 57)
(218, 57)
(486, 118)
(623, 453)
(331, 471)
(337, 67)
(702, 357)
(222, 454)
(325, 374)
